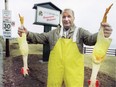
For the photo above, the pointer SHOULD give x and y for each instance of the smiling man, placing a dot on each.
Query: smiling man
(66, 60)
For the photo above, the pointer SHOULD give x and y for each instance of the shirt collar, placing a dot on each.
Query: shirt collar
(70, 30)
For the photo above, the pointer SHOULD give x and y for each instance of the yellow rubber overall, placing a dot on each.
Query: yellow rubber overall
(66, 64)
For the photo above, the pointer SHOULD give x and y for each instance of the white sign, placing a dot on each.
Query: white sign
(47, 16)
(6, 24)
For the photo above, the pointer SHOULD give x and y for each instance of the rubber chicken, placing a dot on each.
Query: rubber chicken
(23, 45)
(99, 52)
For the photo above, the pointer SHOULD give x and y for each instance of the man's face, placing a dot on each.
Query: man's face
(67, 19)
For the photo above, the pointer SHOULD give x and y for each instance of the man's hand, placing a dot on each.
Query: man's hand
(107, 29)
(22, 30)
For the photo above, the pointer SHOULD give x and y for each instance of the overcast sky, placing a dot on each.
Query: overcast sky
(88, 14)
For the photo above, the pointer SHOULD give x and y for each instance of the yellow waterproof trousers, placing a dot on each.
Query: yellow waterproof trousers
(66, 64)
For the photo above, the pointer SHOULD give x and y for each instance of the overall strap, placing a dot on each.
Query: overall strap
(75, 34)
(61, 32)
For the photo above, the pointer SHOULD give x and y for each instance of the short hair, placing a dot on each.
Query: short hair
(67, 9)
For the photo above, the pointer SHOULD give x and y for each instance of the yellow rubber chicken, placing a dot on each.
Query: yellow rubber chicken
(99, 52)
(23, 45)
(102, 43)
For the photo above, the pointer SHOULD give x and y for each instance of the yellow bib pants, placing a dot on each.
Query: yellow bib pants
(66, 64)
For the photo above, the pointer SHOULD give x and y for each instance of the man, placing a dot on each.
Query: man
(66, 61)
